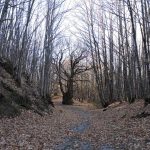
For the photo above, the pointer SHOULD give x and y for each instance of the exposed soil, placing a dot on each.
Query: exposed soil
(78, 127)
(14, 97)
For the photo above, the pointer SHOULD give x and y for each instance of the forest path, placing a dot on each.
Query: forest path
(75, 138)
(78, 127)
(112, 129)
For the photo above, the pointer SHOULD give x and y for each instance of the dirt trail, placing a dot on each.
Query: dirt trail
(113, 129)
(73, 142)
(76, 141)
(77, 127)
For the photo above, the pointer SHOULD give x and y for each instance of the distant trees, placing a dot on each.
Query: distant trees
(29, 30)
(53, 19)
(117, 35)
(85, 87)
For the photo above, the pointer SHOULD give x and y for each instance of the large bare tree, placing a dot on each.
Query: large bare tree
(67, 68)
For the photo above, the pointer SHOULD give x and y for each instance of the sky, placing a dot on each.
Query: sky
(70, 19)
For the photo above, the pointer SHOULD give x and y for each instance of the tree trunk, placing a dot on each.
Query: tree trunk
(68, 95)
(67, 98)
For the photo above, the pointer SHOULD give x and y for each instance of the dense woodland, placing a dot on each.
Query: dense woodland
(93, 55)
(104, 58)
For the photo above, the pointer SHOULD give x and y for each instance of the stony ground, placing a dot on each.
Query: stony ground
(78, 127)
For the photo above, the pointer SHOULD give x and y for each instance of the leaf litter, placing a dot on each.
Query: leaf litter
(113, 129)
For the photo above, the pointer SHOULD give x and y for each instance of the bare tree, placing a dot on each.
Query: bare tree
(67, 69)
(119, 61)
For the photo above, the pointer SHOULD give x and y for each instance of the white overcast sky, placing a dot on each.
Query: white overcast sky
(70, 19)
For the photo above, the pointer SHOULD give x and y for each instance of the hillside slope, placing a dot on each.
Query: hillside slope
(14, 98)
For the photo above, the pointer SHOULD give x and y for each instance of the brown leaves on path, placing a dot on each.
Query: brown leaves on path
(115, 128)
